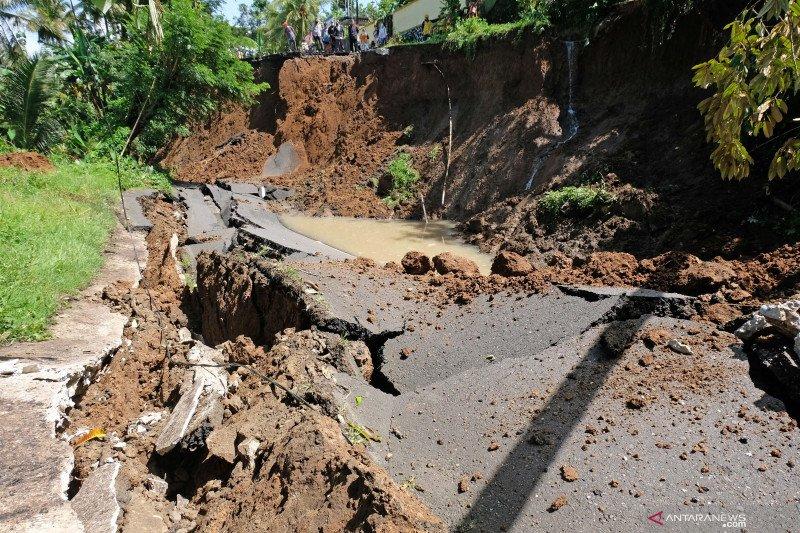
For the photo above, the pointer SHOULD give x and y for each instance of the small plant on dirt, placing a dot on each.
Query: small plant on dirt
(408, 134)
(358, 434)
(411, 483)
(320, 299)
(581, 200)
(287, 270)
(185, 261)
(190, 282)
(435, 152)
(264, 251)
(594, 176)
(791, 225)
(404, 180)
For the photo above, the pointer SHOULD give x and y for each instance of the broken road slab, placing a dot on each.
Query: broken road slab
(96, 503)
(487, 446)
(133, 208)
(288, 242)
(200, 217)
(483, 332)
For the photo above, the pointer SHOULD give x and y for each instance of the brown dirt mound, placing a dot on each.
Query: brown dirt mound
(333, 484)
(29, 161)
(350, 115)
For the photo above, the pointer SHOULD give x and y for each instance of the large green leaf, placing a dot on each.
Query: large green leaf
(26, 92)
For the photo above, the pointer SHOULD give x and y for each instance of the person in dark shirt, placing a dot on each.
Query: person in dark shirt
(339, 38)
(291, 37)
(353, 34)
(332, 37)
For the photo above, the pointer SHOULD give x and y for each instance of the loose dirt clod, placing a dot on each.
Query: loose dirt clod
(569, 473)
(558, 503)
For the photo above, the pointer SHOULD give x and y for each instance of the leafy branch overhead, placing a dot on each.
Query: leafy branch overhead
(753, 77)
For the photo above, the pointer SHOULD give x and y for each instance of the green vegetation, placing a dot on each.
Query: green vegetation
(404, 180)
(578, 200)
(137, 83)
(469, 32)
(753, 77)
(577, 17)
(435, 152)
(113, 82)
(53, 227)
(26, 103)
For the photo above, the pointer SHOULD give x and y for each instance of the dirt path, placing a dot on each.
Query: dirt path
(39, 382)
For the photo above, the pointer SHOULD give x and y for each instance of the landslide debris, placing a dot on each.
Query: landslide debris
(302, 453)
(203, 445)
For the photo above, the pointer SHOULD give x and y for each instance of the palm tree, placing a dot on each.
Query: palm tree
(298, 13)
(45, 17)
(26, 90)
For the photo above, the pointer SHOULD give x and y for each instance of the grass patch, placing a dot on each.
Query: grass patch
(577, 200)
(53, 228)
(404, 180)
(435, 152)
(467, 33)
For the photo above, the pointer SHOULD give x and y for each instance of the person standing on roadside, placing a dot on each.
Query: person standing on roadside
(353, 34)
(363, 40)
(382, 35)
(316, 34)
(339, 38)
(291, 37)
(331, 33)
(427, 28)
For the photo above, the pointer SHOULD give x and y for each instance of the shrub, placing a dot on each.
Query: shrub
(404, 179)
(580, 200)
(467, 33)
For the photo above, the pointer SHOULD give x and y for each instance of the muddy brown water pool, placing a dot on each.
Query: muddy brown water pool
(386, 240)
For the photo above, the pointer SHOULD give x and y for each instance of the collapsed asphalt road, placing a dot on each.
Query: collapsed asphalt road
(567, 407)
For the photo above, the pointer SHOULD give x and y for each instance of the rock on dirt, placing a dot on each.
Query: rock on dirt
(569, 473)
(680, 347)
(201, 398)
(449, 263)
(510, 264)
(222, 443)
(416, 263)
(783, 318)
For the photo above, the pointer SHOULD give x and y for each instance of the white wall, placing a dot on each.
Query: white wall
(413, 14)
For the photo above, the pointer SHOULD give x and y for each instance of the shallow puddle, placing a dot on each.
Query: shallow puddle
(386, 240)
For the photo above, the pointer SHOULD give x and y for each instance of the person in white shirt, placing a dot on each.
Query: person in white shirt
(382, 36)
(316, 33)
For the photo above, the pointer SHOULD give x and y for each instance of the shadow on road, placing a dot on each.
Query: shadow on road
(503, 499)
